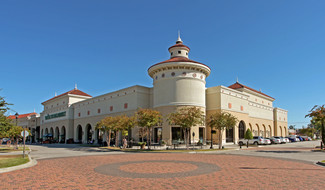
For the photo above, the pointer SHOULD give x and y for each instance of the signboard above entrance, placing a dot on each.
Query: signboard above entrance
(56, 115)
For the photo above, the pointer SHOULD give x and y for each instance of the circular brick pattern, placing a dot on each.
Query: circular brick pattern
(158, 167)
(195, 168)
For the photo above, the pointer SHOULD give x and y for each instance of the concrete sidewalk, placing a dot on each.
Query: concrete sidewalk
(300, 151)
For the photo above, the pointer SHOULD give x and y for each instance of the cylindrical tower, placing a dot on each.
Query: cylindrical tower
(178, 81)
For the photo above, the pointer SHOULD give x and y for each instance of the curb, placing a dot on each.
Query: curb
(320, 163)
(31, 163)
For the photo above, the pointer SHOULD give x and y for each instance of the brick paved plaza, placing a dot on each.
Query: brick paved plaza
(166, 171)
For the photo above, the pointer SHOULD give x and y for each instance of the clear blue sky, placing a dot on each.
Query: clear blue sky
(48, 46)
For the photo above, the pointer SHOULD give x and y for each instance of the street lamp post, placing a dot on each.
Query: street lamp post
(211, 147)
(16, 118)
(24, 142)
(16, 115)
(193, 134)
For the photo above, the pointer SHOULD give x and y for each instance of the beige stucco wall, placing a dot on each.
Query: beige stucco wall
(179, 89)
(67, 124)
(255, 111)
(280, 122)
(135, 97)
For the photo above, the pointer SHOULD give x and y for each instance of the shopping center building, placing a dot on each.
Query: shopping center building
(177, 82)
(29, 121)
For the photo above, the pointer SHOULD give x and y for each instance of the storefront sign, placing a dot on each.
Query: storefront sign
(56, 115)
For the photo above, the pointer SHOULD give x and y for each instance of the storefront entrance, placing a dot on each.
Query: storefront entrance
(241, 130)
(157, 135)
(230, 135)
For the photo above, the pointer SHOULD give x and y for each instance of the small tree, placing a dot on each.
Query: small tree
(14, 133)
(248, 136)
(125, 123)
(221, 121)
(186, 117)
(307, 131)
(5, 123)
(318, 114)
(148, 118)
(106, 125)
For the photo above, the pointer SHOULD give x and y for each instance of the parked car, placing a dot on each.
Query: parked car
(300, 138)
(295, 137)
(305, 138)
(292, 139)
(267, 141)
(275, 140)
(310, 139)
(286, 139)
(282, 140)
(257, 140)
(4, 140)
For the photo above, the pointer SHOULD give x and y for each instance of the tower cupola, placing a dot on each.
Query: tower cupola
(179, 49)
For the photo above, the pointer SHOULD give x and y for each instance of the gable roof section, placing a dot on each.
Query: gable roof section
(21, 116)
(237, 85)
(74, 91)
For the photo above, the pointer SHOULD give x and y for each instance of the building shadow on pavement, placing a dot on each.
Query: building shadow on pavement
(280, 151)
(255, 168)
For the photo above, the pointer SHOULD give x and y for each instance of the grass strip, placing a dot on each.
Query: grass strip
(11, 148)
(12, 160)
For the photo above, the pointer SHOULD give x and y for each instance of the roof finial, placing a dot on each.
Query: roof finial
(55, 94)
(260, 90)
(179, 40)
(34, 110)
(237, 80)
(75, 86)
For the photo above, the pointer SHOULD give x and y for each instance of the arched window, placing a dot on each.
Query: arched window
(241, 130)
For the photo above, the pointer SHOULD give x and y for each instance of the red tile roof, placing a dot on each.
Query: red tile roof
(74, 91)
(178, 59)
(21, 116)
(179, 45)
(237, 85)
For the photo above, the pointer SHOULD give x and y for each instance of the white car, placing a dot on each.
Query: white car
(275, 140)
(281, 139)
(267, 141)
(257, 140)
(286, 139)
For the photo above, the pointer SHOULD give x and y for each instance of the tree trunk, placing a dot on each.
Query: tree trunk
(220, 139)
(12, 140)
(188, 139)
(109, 138)
(185, 136)
(116, 138)
(323, 132)
(142, 134)
(149, 136)
(129, 136)
(148, 133)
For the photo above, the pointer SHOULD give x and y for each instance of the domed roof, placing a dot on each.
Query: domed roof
(180, 44)
(178, 59)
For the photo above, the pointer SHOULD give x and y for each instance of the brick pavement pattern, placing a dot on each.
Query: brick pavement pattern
(235, 172)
